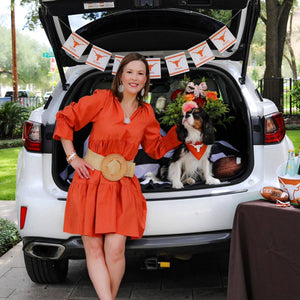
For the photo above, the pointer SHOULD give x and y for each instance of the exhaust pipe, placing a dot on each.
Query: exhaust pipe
(152, 263)
(44, 250)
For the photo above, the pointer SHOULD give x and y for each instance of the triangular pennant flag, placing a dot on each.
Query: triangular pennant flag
(154, 67)
(75, 45)
(223, 39)
(201, 54)
(177, 63)
(98, 58)
(118, 59)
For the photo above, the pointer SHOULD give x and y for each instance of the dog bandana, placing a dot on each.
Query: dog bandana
(197, 149)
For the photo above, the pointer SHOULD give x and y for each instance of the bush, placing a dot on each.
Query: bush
(11, 143)
(9, 235)
(12, 116)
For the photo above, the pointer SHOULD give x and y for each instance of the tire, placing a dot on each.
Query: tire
(46, 271)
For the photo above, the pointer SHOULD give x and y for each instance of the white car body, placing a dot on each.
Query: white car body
(178, 221)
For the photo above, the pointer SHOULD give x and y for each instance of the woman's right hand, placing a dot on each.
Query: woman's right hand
(81, 167)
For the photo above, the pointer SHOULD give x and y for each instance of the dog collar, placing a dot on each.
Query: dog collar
(197, 149)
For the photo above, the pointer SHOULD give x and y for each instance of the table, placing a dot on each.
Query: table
(264, 261)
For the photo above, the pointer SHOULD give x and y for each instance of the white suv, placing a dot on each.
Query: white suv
(178, 221)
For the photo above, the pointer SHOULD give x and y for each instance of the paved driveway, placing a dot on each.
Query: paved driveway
(202, 277)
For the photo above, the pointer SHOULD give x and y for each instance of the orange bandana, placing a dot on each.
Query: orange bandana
(197, 149)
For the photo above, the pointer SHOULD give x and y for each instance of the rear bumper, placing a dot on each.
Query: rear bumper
(164, 245)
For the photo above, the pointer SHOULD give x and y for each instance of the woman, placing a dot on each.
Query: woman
(102, 207)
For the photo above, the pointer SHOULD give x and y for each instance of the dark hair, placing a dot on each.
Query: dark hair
(117, 80)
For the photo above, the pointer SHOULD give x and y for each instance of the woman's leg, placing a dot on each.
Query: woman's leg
(97, 268)
(114, 249)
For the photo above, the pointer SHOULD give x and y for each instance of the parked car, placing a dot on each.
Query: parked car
(47, 95)
(186, 220)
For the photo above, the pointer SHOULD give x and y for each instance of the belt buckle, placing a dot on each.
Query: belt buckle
(114, 167)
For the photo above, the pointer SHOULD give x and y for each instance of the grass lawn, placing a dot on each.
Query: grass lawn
(294, 135)
(8, 168)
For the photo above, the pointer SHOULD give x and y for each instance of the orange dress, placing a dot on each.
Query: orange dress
(96, 206)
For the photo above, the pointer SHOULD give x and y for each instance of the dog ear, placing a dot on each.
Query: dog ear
(181, 133)
(208, 132)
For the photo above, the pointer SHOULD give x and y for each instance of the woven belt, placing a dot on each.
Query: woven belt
(113, 166)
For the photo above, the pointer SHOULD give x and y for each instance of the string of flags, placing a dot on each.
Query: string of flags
(176, 63)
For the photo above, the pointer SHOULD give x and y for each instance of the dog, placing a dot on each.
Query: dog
(191, 159)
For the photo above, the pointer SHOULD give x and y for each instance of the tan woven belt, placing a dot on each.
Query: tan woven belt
(113, 166)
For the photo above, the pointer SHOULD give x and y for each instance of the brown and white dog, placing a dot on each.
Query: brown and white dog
(191, 159)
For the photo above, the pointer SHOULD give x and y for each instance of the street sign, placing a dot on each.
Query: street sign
(48, 54)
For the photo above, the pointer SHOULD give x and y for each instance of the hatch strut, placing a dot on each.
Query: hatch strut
(253, 18)
(53, 41)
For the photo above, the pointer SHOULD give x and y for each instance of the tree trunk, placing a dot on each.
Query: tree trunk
(276, 24)
(292, 59)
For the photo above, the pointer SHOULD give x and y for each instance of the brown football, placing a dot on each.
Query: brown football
(226, 167)
(273, 193)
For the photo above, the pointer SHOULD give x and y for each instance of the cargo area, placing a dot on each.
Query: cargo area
(232, 139)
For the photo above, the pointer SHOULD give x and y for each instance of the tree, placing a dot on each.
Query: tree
(276, 19)
(33, 69)
(291, 59)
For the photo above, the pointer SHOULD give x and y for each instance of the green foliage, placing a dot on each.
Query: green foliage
(33, 68)
(32, 17)
(12, 116)
(173, 114)
(295, 93)
(214, 107)
(9, 235)
(12, 143)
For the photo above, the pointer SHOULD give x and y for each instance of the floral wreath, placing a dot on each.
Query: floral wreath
(191, 95)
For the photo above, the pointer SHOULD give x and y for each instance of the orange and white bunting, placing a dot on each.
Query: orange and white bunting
(75, 45)
(154, 67)
(98, 58)
(177, 63)
(201, 54)
(118, 59)
(223, 39)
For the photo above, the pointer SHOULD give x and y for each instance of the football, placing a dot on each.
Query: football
(227, 167)
(273, 194)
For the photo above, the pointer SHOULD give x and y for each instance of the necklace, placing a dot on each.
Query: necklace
(127, 114)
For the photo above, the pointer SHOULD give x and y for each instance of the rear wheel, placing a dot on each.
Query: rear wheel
(46, 271)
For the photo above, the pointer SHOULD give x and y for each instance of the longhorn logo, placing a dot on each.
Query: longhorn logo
(76, 43)
(200, 51)
(151, 66)
(98, 56)
(176, 62)
(222, 37)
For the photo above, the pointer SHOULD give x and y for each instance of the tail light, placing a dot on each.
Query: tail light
(274, 129)
(23, 216)
(32, 137)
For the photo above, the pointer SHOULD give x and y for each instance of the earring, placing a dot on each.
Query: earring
(121, 88)
(143, 92)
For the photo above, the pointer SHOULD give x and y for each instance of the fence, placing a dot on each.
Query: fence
(279, 91)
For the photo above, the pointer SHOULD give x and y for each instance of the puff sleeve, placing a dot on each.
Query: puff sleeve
(76, 115)
(153, 143)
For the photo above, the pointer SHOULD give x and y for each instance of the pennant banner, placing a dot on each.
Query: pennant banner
(177, 63)
(154, 67)
(223, 39)
(75, 45)
(98, 58)
(118, 59)
(201, 54)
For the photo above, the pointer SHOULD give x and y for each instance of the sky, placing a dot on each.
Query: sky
(20, 20)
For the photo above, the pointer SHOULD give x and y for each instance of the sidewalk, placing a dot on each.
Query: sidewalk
(204, 277)
(8, 210)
